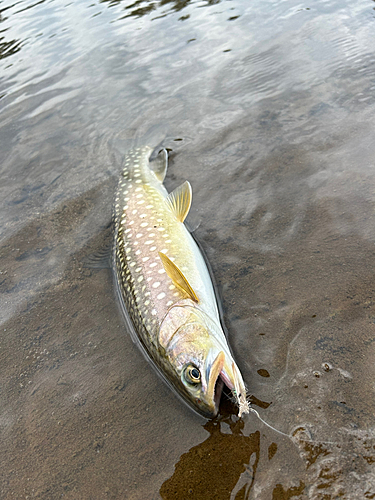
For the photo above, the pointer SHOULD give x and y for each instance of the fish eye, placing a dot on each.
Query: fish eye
(192, 375)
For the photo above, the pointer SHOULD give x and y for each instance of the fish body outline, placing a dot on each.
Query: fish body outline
(165, 288)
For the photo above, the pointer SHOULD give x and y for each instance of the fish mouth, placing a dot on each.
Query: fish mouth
(215, 383)
(219, 375)
(226, 380)
(222, 372)
(219, 386)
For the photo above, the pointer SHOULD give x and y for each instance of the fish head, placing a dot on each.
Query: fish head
(201, 364)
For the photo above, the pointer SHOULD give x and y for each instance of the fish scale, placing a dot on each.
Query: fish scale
(164, 284)
(142, 231)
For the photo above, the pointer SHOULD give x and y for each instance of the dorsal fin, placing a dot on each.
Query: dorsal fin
(160, 164)
(179, 201)
(177, 277)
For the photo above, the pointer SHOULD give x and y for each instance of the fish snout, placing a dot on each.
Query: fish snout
(212, 383)
(224, 371)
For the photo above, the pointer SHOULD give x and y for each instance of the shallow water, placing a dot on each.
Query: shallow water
(268, 108)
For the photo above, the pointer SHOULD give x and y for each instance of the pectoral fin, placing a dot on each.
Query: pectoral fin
(179, 201)
(177, 277)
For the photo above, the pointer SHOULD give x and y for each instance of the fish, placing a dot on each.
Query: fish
(165, 289)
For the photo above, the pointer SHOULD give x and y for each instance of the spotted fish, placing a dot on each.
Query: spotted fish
(165, 288)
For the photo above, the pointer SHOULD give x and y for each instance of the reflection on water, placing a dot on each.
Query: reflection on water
(222, 467)
(9, 48)
(269, 112)
(143, 7)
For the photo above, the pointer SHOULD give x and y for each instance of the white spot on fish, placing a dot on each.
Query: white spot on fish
(145, 259)
(161, 295)
(134, 212)
(153, 264)
(148, 242)
(154, 312)
(140, 279)
(144, 224)
(149, 206)
(169, 303)
(156, 284)
(139, 235)
(152, 249)
(137, 252)
(161, 271)
(171, 287)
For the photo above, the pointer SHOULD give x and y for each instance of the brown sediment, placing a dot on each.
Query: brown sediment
(212, 469)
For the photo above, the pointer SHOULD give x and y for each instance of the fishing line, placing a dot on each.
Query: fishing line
(288, 435)
(267, 424)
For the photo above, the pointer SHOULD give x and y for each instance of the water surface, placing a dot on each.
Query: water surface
(268, 108)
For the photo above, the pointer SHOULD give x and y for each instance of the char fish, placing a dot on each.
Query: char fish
(165, 288)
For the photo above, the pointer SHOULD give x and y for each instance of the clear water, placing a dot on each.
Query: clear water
(269, 108)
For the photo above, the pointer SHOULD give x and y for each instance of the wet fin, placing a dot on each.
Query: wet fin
(159, 165)
(177, 277)
(193, 221)
(179, 201)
